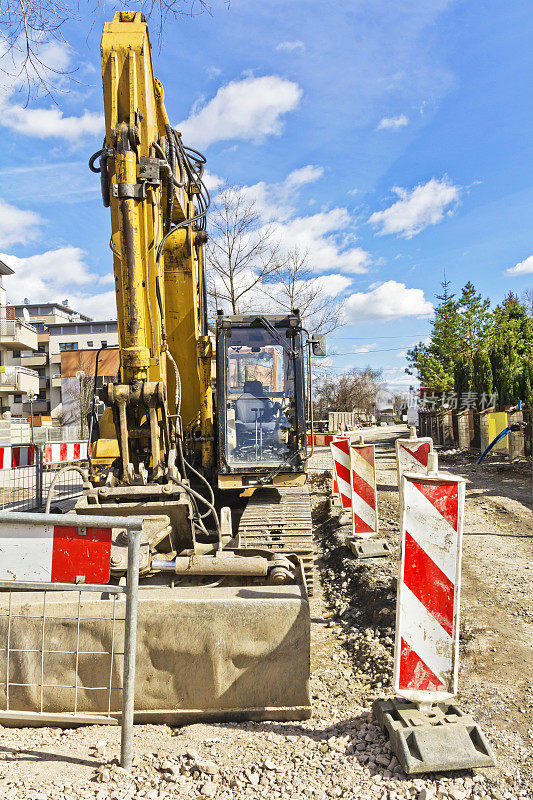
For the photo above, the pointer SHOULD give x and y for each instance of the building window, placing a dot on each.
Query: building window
(41, 348)
(89, 344)
(17, 398)
(16, 353)
(39, 326)
(104, 344)
(68, 345)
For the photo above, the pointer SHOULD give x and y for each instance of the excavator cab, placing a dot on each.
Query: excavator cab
(260, 398)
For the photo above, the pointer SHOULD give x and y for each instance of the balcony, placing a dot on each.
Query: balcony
(56, 381)
(44, 383)
(18, 380)
(16, 334)
(34, 359)
(38, 407)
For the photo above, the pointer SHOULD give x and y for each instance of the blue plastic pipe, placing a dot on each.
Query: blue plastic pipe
(495, 441)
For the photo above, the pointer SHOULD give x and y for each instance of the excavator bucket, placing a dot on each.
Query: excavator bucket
(203, 653)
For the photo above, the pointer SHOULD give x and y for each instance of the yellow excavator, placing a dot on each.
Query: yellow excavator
(214, 463)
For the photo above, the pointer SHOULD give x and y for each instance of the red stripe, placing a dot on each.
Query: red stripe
(346, 502)
(428, 583)
(62, 452)
(445, 498)
(364, 490)
(415, 673)
(421, 453)
(343, 445)
(47, 453)
(2, 451)
(77, 451)
(15, 456)
(366, 451)
(335, 486)
(342, 472)
(74, 555)
(360, 526)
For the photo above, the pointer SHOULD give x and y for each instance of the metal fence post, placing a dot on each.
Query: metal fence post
(130, 644)
(38, 476)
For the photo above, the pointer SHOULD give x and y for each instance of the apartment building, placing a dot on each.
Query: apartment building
(17, 336)
(58, 328)
(80, 333)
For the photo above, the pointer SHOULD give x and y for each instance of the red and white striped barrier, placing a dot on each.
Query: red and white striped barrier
(427, 617)
(412, 455)
(17, 456)
(64, 452)
(364, 493)
(54, 554)
(340, 454)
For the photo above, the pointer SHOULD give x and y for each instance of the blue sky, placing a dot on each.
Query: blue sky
(388, 139)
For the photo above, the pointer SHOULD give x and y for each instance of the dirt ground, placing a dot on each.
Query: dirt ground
(340, 752)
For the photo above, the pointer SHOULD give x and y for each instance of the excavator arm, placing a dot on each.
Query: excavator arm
(158, 202)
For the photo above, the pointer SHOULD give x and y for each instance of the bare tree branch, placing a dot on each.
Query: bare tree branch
(241, 252)
(27, 26)
(295, 286)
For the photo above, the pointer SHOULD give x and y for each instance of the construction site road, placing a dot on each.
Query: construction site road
(340, 752)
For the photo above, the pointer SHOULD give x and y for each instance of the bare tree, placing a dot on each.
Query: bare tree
(527, 300)
(355, 390)
(241, 251)
(294, 285)
(27, 26)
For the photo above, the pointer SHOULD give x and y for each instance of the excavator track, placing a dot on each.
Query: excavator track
(279, 519)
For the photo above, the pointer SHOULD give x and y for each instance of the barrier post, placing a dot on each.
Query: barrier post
(412, 455)
(340, 454)
(428, 733)
(364, 542)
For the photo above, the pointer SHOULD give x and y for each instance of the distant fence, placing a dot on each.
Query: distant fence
(27, 471)
(470, 429)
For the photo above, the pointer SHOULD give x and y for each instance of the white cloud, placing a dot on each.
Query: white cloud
(57, 274)
(364, 348)
(424, 205)
(393, 123)
(212, 181)
(275, 201)
(16, 225)
(213, 72)
(386, 301)
(291, 47)
(43, 123)
(323, 236)
(524, 267)
(248, 109)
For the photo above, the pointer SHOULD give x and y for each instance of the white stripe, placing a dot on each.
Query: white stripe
(425, 636)
(362, 467)
(7, 458)
(430, 529)
(364, 511)
(26, 552)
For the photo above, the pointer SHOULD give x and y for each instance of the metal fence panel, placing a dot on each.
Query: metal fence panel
(20, 477)
(63, 649)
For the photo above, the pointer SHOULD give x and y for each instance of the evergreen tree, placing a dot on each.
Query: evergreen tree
(473, 322)
(434, 363)
(511, 351)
